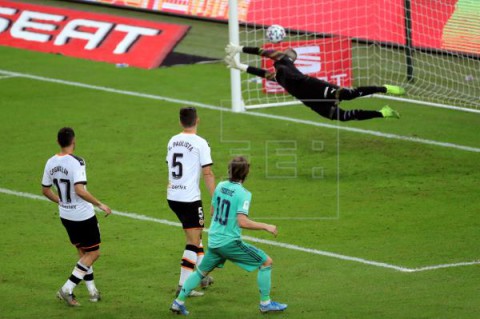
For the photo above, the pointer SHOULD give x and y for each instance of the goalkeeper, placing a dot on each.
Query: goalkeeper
(321, 96)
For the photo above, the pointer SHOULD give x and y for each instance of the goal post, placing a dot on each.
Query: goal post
(430, 48)
(235, 76)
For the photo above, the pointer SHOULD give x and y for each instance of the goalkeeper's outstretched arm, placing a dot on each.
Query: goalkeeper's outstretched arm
(261, 73)
(232, 63)
(233, 49)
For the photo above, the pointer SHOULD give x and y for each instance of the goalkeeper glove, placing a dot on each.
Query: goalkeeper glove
(232, 49)
(232, 63)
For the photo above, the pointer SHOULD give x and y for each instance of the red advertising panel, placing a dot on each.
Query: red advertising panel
(327, 59)
(445, 25)
(85, 35)
(212, 9)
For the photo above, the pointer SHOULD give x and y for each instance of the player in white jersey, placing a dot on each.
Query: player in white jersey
(67, 173)
(188, 157)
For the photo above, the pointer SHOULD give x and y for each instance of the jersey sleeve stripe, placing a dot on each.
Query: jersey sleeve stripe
(206, 165)
(47, 185)
(81, 182)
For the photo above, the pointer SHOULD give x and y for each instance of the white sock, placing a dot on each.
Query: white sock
(89, 282)
(79, 271)
(189, 260)
(68, 286)
(200, 254)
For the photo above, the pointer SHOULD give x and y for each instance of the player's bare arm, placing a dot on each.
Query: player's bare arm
(246, 223)
(86, 195)
(48, 193)
(209, 178)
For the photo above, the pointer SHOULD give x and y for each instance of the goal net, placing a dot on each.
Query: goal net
(431, 47)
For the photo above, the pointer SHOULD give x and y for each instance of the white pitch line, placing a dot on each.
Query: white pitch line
(4, 77)
(327, 254)
(468, 263)
(267, 242)
(298, 218)
(256, 114)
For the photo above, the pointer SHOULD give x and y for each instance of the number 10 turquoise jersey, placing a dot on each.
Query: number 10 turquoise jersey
(229, 199)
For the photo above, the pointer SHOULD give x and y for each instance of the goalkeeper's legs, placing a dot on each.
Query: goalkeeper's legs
(350, 115)
(333, 112)
(352, 93)
(360, 115)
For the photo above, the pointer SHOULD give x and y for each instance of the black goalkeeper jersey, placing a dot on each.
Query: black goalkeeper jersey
(308, 89)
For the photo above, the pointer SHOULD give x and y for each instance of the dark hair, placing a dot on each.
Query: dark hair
(291, 53)
(65, 136)
(188, 116)
(238, 169)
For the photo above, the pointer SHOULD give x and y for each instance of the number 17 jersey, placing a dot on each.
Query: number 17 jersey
(64, 172)
(187, 154)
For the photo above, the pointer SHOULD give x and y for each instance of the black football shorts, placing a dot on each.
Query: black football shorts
(190, 214)
(83, 234)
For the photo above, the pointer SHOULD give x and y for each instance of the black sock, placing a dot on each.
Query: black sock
(358, 115)
(368, 90)
(350, 94)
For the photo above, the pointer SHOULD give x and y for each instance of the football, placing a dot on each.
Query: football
(275, 33)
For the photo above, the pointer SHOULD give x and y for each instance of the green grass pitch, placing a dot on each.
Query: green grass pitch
(401, 201)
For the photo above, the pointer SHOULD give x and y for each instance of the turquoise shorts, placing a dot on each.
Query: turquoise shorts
(240, 253)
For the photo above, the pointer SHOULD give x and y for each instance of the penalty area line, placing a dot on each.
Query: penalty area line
(267, 242)
(255, 114)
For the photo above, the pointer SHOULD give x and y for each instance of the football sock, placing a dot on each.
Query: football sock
(200, 254)
(78, 273)
(189, 260)
(264, 280)
(358, 115)
(368, 90)
(350, 94)
(191, 283)
(89, 281)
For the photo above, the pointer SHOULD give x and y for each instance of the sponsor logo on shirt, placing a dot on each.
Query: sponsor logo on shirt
(183, 187)
(68, 206)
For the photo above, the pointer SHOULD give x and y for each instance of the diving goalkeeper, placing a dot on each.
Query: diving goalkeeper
(321, 96)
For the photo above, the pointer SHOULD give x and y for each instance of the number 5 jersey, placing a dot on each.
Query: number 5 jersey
(187, 154)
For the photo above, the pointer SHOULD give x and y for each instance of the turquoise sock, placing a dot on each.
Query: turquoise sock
(264, 280)
(191, 283)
